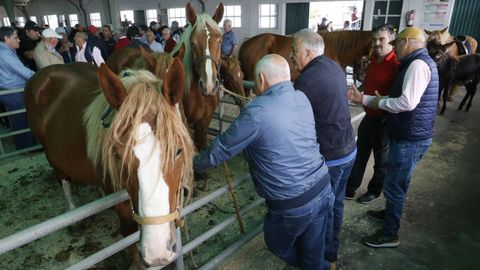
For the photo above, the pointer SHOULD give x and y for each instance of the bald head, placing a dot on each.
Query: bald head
(272, 69)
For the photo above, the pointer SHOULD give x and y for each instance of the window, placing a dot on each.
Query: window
(6, 21)
(234, 13)
(33, 19)
(51, 20)
(73, 18)
(95, 19)
(268, 16)
(21, 21)
(177, 14)
(127, 15)
(387, 12)
(151, 15)
(61, 19)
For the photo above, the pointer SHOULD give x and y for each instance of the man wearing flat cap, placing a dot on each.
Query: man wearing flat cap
(45, 53)
(28, 42)
(411, 108)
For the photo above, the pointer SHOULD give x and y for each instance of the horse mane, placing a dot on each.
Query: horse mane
(344, 41)
(144, 98)
(203, 20)
(437, 35)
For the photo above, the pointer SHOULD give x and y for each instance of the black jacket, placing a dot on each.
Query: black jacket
(323, 82)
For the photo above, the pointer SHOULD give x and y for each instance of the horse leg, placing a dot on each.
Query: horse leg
(452, 92)
(67, 190)
(472, 89)
(445, 95)
(200, 135)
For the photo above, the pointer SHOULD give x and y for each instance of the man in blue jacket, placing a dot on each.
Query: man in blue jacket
(14, 75)
(411, 107)
(323, 82)
(276, 131)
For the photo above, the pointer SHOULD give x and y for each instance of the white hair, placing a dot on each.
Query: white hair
(274, 68)
(310, 40)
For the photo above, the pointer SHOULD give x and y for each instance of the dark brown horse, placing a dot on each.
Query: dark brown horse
(118, 132)
(341, 46)
(443, 37)
(462, 70)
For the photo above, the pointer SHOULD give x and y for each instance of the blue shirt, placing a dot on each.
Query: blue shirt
(229, 40)
(13, 74)
(277, 133)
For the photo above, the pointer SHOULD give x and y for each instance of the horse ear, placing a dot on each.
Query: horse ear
(444, 30)
(191, 15)
(180, 52)
(448, 45)
(173, 82)
(111, 86)
(218, 13)
(148, 57)
(427, 32)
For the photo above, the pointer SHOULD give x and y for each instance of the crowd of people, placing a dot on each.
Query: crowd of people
(32, 48)
(300, 146)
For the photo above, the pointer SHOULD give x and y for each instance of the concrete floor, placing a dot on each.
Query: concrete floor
(440, 227)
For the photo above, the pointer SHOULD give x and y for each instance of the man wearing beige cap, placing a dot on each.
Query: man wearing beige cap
(45, 53)
(411, 108)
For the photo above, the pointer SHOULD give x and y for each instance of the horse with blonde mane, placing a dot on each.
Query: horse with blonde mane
(118, 132)
(200, 45)
(340, 46)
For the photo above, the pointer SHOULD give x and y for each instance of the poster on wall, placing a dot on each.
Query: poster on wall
(435, 13)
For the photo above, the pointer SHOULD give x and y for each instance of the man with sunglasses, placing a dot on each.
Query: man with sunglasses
(372, 132)
(411, 108)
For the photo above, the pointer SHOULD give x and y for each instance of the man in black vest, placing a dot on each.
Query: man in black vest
(411, 107)
(323, 82)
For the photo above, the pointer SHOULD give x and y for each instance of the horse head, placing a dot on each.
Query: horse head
(232, 76)
(441, 36)
(147, 150)
(438, 51)
(205, 39)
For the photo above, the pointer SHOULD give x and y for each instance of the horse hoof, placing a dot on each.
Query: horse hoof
(200, 176)
(75, 230)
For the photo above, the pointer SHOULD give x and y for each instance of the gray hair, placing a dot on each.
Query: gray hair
(311, 41)
(385, 28)
(274, 67)
(82, 35)
(227, 21)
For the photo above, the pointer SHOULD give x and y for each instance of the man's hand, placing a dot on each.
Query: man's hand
(374, 102)
(354, 95)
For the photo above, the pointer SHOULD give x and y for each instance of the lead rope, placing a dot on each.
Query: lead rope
(242, 98)
(234, 198)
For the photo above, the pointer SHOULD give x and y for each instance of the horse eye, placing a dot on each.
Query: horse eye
(179, 151)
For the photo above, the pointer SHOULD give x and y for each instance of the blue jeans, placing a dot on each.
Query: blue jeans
(297, 235)
(338, 178)
(17, 121)
(402, 160)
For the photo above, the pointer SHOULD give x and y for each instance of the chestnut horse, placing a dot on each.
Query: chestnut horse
(201, 42)
(443, 37)
(127, 134)
(340, 46)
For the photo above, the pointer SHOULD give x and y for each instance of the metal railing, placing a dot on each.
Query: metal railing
(37, 231)
(3, 136)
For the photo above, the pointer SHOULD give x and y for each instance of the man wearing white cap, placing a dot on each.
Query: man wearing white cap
(45, 53)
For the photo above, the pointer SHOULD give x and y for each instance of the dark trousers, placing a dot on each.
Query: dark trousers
(18, 121)
(297, 235)
(372, 136)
